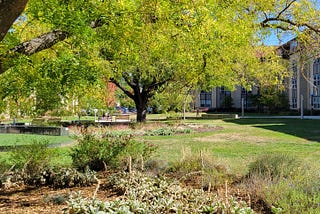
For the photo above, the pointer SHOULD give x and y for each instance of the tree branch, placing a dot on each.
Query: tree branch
(40, 43)
(35, 45)
(266, 23)
(128, 93)
(285, 9)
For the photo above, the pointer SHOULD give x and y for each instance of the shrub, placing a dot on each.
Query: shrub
(32, 158)
(294, 199)
(300, 193)
(98, 152)
(274, 166)
(172, 115)
(203, 164)
(4, 165)
(285, 184)
(67, 177)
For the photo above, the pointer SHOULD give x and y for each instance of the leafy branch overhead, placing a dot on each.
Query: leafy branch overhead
(292, 15)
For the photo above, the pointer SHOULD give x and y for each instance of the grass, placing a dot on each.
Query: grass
(242, 141)
(238, 143)
(25, 139)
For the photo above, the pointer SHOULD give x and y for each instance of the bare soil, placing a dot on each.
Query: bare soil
(30, 199)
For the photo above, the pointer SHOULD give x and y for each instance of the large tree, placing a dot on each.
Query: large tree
(148, 43)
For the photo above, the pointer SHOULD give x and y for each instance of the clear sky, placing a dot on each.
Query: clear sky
(275, 41)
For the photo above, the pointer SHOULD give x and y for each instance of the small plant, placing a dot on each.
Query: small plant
(167, 131)
(118, 133)
(55, 199)
(230, 205)
(67, 177)
(300, 193)
(173, 115)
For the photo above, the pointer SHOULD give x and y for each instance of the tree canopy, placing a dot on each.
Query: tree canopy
(143, 45)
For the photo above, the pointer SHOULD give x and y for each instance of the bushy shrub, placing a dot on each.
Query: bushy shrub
(295, 195)
(285, 184)
(274, 166)
(118, 133)
(172, 115)
(97, 152)
(4, 165)
(32, 158)
(66, 177)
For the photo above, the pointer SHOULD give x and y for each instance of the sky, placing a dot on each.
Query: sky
(273, 40)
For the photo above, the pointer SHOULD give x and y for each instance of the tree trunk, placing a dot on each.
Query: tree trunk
(10, 10)
(141, 105)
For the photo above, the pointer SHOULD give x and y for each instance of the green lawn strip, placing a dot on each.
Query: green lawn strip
(60, 157)
(25, 139)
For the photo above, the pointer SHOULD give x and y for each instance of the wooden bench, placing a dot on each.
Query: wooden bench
(38, 121)
(46, 121)
(108, 118)
(122, 117)
(54, 121)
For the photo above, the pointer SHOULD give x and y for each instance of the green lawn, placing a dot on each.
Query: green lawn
(24, 139)
(239, 142)
(242, 140)
(60, 156)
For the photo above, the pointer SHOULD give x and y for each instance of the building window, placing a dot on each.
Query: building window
(225, 92)
(245, 95)
(293, 45)
(205, 99)
(316, 84)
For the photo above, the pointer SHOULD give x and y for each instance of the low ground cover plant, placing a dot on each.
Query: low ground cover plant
(145, 194)
(31, 159)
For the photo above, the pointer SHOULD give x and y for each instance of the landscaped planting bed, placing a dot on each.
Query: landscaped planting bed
(206, 166)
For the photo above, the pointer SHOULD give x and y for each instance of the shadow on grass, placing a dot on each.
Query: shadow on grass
(307, 129)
